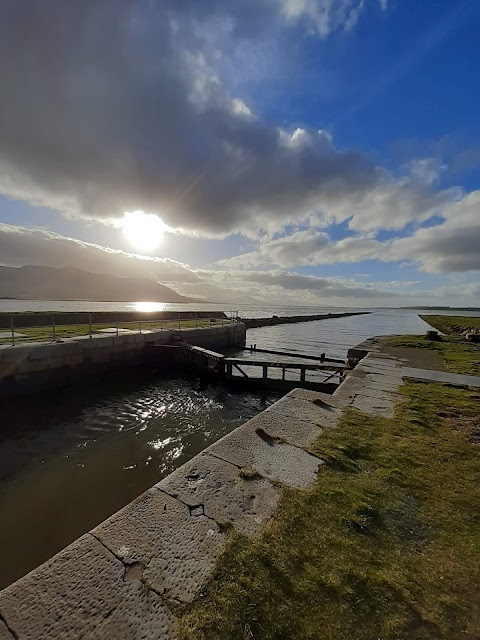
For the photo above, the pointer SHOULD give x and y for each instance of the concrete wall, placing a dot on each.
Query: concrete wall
(131, 576)
(35, 367)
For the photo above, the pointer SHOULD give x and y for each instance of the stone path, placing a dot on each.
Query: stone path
(457, 379)
(127, 577)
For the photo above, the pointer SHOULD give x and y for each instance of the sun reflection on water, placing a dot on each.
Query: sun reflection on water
(148, 307)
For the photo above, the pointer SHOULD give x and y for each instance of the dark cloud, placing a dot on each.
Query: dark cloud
(114, 105)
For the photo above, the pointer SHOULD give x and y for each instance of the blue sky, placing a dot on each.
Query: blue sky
(309, 151)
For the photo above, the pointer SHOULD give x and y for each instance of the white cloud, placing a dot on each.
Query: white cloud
(324, 16)
(451, 246)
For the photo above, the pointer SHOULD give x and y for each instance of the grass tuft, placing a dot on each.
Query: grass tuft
(249, 473)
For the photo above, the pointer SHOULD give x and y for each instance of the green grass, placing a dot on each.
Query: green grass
(40, 334)
(385, 545)
(458, 355)
(452, 324)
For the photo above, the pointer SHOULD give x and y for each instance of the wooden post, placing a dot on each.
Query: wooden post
(196, 319)
(229, 370)
(13, 330)
(53, 328)
(90, 325)
(265, 371)
(283, 373)
(302, 374)
(116, 320)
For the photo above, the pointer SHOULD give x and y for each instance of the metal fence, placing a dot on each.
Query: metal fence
(23, 327)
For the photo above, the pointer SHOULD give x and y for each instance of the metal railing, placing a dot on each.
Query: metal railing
(22, 328)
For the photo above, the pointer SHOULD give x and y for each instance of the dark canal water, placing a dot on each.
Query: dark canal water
(70, 459)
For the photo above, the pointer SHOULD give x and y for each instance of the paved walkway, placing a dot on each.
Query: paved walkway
(441, 376)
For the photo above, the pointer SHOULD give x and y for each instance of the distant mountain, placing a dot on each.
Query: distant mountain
(70, 283)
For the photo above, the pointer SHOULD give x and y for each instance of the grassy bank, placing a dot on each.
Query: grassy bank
(458, 355)
(385, 545)
(452, 325)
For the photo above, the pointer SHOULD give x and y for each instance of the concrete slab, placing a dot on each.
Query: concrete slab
(114, 330)
(347, 391)
(5, 633)
(247, 502)
(376, 358)
(299, 433)
(384, 380)
(371, 367)
(381, 394)
(176, 548)
(279, 462)
(317, 413)
(307, 394)
(441, 376)
(374, 406)
(84, 592)
(40, 352)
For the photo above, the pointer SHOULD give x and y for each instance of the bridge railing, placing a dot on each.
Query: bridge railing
(18, 328)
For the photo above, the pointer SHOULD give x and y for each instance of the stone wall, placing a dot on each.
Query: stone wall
(130, 576)
(39, 366)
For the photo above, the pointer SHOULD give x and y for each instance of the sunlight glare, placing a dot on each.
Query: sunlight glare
(144, 230)
(148, 307)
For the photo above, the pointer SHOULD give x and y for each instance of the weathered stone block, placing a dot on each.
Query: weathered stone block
(42, 351)
(387, 380)
(5, 633)
(276, 461)
(382, 394)
(223, 492)
(176, 548)
(86, 342)
(69, 347)
(16, 354)
(84, 592)
(29, 366)
(317, 396)
(322, 414)
(374, 406)
(299, 433)
(123, 339)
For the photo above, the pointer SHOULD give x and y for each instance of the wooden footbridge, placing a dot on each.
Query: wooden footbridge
(234, 369)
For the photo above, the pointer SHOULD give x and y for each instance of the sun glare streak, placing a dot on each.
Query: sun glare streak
(143, 230)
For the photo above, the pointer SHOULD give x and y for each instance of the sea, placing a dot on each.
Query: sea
(71, 458)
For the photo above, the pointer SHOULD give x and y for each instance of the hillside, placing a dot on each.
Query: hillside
(70, 283)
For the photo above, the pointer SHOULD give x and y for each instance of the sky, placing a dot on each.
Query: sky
(304, 152)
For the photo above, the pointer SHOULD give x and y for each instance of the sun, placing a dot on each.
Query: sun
(145, 231)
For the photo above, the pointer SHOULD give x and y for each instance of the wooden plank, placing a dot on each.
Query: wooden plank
(301, 356)
(241, 371)
(281, 365)
(211, 355)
